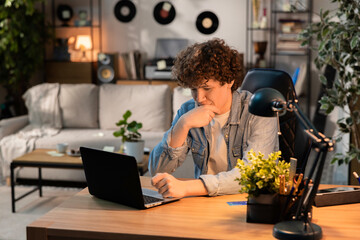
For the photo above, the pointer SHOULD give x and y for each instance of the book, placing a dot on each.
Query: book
(126, 59)
(300, 85)
(132, 65)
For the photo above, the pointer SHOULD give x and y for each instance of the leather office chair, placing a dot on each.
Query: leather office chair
(294, 142)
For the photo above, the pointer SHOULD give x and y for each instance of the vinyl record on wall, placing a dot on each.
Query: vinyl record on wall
(164, 12)
(207, 22)
(125, 10)
(64, 13)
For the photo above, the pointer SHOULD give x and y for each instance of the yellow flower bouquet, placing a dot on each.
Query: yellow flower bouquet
(261, 175)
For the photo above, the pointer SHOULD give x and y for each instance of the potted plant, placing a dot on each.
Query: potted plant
(22, 40)
(131, 142)
(260, 179)
(337, 40)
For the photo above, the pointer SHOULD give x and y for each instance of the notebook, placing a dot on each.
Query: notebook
(114, 177)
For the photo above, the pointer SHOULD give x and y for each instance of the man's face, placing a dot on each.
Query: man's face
(212, 93)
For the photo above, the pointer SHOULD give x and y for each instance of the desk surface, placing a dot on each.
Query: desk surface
(86, 217)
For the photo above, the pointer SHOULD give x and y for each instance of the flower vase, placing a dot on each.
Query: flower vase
(135, 149)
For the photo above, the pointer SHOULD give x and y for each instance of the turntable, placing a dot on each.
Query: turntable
(165, 52)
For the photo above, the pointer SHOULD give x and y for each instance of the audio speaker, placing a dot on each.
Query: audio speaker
(107, 67)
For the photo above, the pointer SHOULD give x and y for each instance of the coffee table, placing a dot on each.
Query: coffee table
(39, 158)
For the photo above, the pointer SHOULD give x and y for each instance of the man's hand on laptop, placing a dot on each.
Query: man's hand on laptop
(169, 186)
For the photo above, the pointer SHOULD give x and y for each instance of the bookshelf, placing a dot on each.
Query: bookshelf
(283, 23)
(259, 28)
(68, 59)
(287, 23)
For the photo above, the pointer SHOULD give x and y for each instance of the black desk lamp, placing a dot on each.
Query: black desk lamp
(268, 102)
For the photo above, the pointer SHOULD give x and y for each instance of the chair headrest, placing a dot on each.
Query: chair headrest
(269, 78)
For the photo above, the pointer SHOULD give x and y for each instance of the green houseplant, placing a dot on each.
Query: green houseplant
(260, 178)
(337, 41)
(22, 40)
(132, 144)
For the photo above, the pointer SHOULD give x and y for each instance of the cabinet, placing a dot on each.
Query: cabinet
(285, 20)
(76, 28)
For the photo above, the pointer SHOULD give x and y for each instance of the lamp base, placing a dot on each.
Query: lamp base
(296, 230)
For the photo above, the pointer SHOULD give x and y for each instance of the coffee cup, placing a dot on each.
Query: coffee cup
(61, 147)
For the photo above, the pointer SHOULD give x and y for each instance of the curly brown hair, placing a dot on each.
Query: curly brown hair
(212, 59)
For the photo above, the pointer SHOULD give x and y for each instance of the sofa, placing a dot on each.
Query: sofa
(85, 115)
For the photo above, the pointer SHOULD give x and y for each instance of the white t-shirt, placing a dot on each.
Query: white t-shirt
(218, 161)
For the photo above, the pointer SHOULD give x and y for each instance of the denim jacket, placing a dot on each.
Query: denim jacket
(243, 132)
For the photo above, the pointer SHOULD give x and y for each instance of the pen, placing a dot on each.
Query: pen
(282, 184)
(298, 181)
(356, 176)
(292, 171)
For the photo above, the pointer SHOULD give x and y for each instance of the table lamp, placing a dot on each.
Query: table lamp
(268, 102)
(83, 43)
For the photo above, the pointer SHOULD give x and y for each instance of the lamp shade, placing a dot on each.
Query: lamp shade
(83, 42)
(266, 102)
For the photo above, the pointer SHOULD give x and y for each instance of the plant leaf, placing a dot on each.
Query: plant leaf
(126, 115)
(323, 80)
(354, 41)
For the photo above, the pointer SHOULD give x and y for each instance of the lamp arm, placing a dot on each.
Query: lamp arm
(324, 145)
(321, 141)
(304, 120)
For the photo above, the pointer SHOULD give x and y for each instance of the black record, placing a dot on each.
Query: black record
(64, 13)
(164, 12)
(125, 10)
(207, 22)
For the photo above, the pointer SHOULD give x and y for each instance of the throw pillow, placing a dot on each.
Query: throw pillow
(79, 105)
(42, 102)
(149, 104)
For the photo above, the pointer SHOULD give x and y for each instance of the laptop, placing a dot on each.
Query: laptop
(114, 177)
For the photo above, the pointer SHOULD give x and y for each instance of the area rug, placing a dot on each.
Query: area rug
(28, 209)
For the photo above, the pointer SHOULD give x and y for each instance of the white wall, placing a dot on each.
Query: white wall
(142, 32)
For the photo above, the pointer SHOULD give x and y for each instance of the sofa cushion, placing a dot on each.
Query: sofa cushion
(42, 102)
(149, 104)
(180, 96)
(79, 105)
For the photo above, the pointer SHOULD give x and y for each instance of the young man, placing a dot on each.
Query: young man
(216, 125)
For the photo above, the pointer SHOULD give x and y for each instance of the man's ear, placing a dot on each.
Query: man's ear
(231, 84)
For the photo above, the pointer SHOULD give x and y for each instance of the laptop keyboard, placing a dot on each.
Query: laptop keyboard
(149, 199)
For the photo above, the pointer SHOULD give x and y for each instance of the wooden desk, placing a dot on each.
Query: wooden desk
(86, 217)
